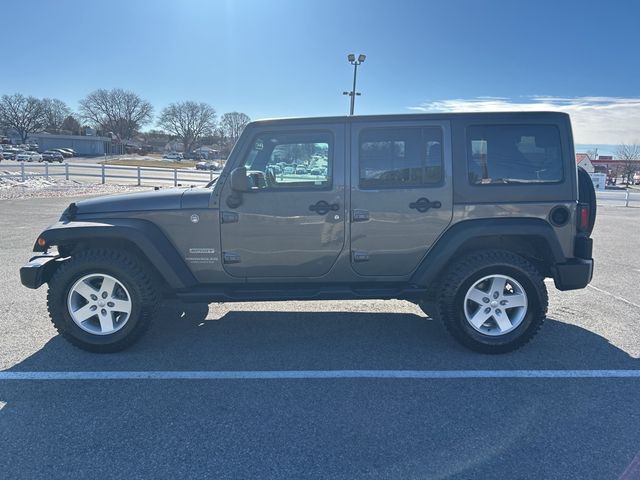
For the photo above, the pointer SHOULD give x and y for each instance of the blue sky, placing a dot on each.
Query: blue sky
(287, 57)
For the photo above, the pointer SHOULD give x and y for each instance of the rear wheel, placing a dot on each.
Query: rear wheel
(102, 300)
(492, 301)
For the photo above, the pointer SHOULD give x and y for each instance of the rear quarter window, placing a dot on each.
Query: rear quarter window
(514, 154)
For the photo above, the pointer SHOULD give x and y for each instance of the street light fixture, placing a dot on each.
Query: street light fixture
(352, 60)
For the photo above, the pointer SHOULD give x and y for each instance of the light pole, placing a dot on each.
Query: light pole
(352, 60)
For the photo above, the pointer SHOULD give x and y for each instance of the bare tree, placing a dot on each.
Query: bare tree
(118, 111)
(233, 124)
(55, 113)
(189, 121)
(71, 125)
(592, 154)
(24, 114)
(629, 157)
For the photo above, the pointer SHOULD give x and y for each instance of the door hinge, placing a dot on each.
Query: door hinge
(230, 217)
(359, 215)
(360, 257)
(230, 257)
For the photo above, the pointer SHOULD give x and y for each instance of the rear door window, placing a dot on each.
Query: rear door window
(513, 154)
(400, 157)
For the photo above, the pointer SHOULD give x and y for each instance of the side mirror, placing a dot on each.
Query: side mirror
(239, 183)
(239, 180)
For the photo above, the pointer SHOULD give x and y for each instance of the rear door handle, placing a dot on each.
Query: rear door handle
(423, 204)
(322, 207)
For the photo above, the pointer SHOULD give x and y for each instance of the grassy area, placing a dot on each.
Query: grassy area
(150, 163)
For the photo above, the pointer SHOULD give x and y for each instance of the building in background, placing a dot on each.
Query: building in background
(583, 160)
(82, 145)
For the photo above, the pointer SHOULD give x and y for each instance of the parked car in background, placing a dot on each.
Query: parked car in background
(173, 156)
(9, 154)
(207, 166)
(71, 151)
(64, 153)
(29, 157)
(52, 156)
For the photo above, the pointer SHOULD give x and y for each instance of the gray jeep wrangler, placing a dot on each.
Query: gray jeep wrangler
(463, 214)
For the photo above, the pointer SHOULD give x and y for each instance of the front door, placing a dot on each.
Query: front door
(292, 222)
(401, 194)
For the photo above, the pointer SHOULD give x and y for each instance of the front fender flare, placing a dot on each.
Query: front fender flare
(151, 241)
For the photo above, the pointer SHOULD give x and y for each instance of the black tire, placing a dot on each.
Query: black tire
(470, 269)
(587, 194)
(130, 272)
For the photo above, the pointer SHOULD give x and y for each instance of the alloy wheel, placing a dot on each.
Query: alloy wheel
(495, 305)
(99, 304)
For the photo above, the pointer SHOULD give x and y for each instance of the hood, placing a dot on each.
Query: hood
(168, 199)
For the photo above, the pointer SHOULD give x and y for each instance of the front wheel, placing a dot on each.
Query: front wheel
(102, 300)
(493, 301)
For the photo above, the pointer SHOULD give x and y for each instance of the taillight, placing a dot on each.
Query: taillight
(583, 217)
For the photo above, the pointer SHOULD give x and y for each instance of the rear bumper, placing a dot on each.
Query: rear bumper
(574, 274)
(38, 270)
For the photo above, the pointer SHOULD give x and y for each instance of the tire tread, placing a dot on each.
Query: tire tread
(466, 266)
(147, 285)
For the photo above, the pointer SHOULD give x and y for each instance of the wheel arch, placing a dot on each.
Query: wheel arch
(532, 238)
(140, 237)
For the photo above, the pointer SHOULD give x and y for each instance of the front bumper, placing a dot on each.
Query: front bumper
(39, 270)
(574, 274)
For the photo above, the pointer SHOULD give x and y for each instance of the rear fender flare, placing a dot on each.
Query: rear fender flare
(444, 251)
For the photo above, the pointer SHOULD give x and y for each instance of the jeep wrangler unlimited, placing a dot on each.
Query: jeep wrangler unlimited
(463, 214)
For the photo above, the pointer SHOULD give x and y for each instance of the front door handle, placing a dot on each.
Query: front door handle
(423, 204)
(322, 207)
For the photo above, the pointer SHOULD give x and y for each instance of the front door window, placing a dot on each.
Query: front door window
(303, 161)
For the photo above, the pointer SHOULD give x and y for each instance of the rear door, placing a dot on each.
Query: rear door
(401, 193)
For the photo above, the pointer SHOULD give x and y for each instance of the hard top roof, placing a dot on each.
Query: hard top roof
(483, 116)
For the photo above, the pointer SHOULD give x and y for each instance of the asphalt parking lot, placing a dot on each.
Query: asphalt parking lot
(474, 426)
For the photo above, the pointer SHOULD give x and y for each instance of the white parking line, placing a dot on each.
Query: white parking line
(317, 374)
(621, 299)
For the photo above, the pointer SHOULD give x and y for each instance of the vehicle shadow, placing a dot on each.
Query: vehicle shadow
(186, 337)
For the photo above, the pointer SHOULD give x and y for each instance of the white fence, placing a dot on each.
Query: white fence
(125, 174)
(623, 198)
